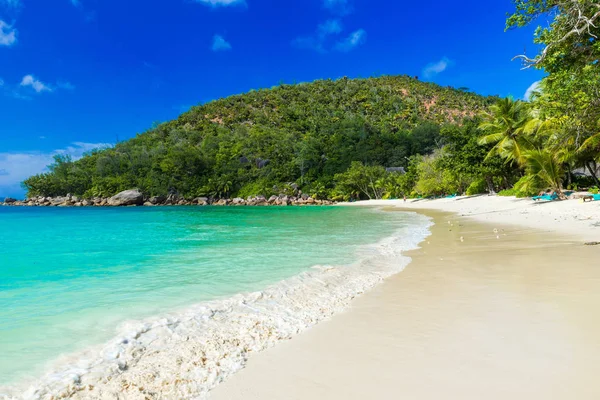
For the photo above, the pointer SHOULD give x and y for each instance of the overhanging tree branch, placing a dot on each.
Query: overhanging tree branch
(580, 23)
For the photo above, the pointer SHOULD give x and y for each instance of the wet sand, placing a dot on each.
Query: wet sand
(512, 314)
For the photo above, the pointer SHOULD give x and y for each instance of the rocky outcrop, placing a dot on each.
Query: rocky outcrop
(172, 199)
(131, 197)
(154, 200)
(135, 197)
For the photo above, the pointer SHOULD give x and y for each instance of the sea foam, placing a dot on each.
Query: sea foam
(186, 354)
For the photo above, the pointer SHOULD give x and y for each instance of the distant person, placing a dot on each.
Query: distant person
(405, 198)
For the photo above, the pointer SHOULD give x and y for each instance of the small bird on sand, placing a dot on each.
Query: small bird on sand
(495, 230)
(462, 239)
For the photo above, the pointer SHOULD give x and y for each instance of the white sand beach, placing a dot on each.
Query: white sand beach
(500, 302)
(571, 217)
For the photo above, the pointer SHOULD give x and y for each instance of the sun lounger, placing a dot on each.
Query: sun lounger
(546, 197)
(592, 197)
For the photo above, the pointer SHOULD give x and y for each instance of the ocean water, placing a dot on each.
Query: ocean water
(74, 282)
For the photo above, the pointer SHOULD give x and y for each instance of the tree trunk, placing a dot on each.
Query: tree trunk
(365, 190)
(587, 164)
(490, 184)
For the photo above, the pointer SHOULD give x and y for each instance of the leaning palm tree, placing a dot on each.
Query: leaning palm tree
(553, 134)
(505, 126)
(544, 166)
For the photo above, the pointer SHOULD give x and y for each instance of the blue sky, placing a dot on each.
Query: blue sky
(75, 74)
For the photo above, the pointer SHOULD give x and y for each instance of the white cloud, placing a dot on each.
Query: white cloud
(535, 86)
(35, 84)
(16, 167)
(30, 85)
(222, 3)
(341, 7)
(317, 41)
(8, 35)
(220, 44)
(438, 67)
(355, 39)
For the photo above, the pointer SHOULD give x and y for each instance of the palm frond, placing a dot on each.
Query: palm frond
(492, 138)
(544, 164)
(591, 143)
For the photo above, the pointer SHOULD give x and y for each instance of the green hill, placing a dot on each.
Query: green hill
(257, 142)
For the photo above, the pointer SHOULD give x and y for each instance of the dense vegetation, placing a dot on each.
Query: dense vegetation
(543, 140)
(559, 130)
(319, 135)
(334, 138)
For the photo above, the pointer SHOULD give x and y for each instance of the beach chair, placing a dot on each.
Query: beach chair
(592, 197)
(546, 197)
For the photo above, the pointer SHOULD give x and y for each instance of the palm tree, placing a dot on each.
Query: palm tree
(506, 126)
(379, 188)
(224, 186)
(546, 167)
(567, 145)
(551, 134)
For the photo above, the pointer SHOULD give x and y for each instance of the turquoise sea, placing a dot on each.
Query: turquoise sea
(69, 277)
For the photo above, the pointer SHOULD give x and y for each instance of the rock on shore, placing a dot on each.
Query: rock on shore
(131, 197)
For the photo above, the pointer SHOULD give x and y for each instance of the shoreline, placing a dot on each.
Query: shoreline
(485, 310)
(186, 353)
(569, 217)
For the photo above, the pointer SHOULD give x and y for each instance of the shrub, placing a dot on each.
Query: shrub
(361, 179)
(434, 179)
(507, 192)
(477, 187)
(320, 189)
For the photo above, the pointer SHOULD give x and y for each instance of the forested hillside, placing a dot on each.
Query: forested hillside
(256, 143)
(335, 139)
